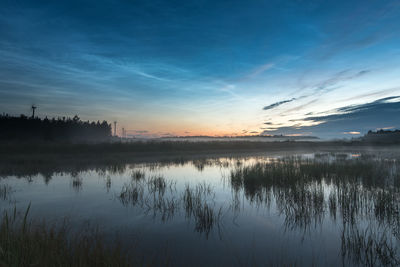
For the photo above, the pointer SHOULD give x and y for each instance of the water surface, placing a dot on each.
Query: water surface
(331, 209)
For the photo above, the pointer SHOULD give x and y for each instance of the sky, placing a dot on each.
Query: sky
(222, 68)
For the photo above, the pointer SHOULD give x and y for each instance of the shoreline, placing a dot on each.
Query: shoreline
(31, 159)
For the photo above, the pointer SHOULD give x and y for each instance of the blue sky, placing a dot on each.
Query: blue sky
(205, 67)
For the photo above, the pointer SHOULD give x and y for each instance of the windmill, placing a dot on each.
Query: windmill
(33, 111)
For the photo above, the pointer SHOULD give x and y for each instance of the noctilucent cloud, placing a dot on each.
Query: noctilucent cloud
(324, 68)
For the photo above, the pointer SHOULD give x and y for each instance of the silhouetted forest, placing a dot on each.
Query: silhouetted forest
(382, 136)
(63, 129)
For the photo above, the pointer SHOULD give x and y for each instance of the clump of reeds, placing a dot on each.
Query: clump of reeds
(157, 195)
(108, 183)
(153, 194)
(23, 243)
(360, 188)
(131, 193)
(333, 204)
(5, 191)
(157, 185)
(198, 203)
(138, 175)
(369, 247)
(163, 206)
(77, 183)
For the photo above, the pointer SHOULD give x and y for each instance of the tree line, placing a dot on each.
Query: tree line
(382, 136)
(67, 129)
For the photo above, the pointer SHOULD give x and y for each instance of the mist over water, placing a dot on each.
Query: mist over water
(316, 208)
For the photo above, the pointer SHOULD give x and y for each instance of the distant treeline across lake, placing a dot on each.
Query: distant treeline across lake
(28, 129)
(25, 130)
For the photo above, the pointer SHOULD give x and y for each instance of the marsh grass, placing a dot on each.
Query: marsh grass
(138, 175)
(23, 243)
(199, 203)
(364, 189)
(76, 183)
(5, 192)
(159, 197)
(351, 191)
(153, 194)
(24, 159)
(158, 185)
(358, 187)
(369, 246)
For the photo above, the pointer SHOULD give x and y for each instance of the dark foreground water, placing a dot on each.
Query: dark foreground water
(312, 209)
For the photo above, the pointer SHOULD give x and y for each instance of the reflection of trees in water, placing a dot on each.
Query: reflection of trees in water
(47, 171)
(69, 165)
(355, 191)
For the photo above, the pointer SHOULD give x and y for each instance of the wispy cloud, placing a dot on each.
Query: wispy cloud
(352, 132)
(260, 70)
(162, 65)
(331, 83)
(277, 104)
(353, 119)
(319, 89)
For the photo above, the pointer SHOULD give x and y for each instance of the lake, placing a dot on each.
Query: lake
(316, 208)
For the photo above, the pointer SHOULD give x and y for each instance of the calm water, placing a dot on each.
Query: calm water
(324, 209)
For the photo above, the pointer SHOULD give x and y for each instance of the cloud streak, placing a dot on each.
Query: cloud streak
(319, 88)
(277, 104)
(200, 67)
(353, 119)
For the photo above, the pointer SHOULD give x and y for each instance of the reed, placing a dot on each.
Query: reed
(369, 246)
(23, 243)
(5, 191)
(358, 188)
(138, 175)
(199, 204)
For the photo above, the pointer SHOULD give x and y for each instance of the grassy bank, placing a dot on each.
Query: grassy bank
(25, 244)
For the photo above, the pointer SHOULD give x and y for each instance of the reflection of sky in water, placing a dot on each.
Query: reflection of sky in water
(249, 234)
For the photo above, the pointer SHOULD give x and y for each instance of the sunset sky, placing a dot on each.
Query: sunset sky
(324, 68)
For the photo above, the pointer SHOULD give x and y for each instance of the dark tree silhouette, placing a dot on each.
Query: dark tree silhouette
(61, 129)
(382, 136)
